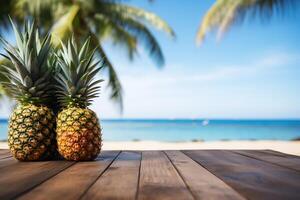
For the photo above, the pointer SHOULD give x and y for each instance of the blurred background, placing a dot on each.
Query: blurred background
(202, 70)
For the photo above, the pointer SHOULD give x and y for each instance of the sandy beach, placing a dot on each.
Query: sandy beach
(289, 147)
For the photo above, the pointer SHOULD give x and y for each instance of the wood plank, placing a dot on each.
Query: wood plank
(4, 156)
(74, 181)
(252, 178)
(4, 153)
(202, 183)
(19, 177)
(159, 179)
(289, 161)
(278, 153)
(8, 161)
(120, 180)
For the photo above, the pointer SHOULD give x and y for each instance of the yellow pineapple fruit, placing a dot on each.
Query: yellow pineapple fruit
(31, 133)
(78, 129)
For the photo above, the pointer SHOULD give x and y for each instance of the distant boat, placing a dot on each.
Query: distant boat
(205, 122)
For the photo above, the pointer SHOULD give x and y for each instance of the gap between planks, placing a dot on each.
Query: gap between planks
(121, 176)
(254, 179)
(201, 182)
(139, 177)
(4, 153)
(159, 179)
(276, 158)
(180, 174)
(20, 177)
(205, 185)
(80, 176)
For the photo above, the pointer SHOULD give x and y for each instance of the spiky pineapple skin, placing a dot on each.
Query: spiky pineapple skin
(78, 134)
(31, 134)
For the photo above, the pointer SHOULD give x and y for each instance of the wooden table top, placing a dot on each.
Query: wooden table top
(191, 174)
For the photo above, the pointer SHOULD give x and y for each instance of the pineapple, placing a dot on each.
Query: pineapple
(31, 134)
(78, 129)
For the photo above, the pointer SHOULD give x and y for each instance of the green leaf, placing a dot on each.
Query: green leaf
(62, 28)
(113, 81)
(138, 14)
(224, 13)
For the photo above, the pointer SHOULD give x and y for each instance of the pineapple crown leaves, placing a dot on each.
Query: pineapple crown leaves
(75, 83)
(28, 78)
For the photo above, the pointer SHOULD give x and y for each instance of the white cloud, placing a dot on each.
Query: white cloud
(234, 71)
(174, 73)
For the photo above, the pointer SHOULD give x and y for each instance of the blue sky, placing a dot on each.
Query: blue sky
(253, 72)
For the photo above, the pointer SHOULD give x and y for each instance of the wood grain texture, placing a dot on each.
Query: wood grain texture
(4, 156)
(252, 178)
(277, 153)
(190, 174)
(120, 180)
(74, 181)
(202, 183)
(8, 161)
(159, 179)
(16, 179)
(4, 153)
(277, 158)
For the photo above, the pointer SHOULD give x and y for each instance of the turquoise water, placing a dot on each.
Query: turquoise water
(187, 130)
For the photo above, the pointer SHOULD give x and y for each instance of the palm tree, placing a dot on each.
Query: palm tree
(224, 13)
(101, 20)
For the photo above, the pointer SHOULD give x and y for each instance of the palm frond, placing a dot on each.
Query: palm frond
(139, 14)
(224, 13)
(113, 81)
(43, 11)
(125, 25)
(141, 32)
(119, 35)
(5, 11)
(64, 26)
(35, 7)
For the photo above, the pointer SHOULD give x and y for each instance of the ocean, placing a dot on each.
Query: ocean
(189, 130)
